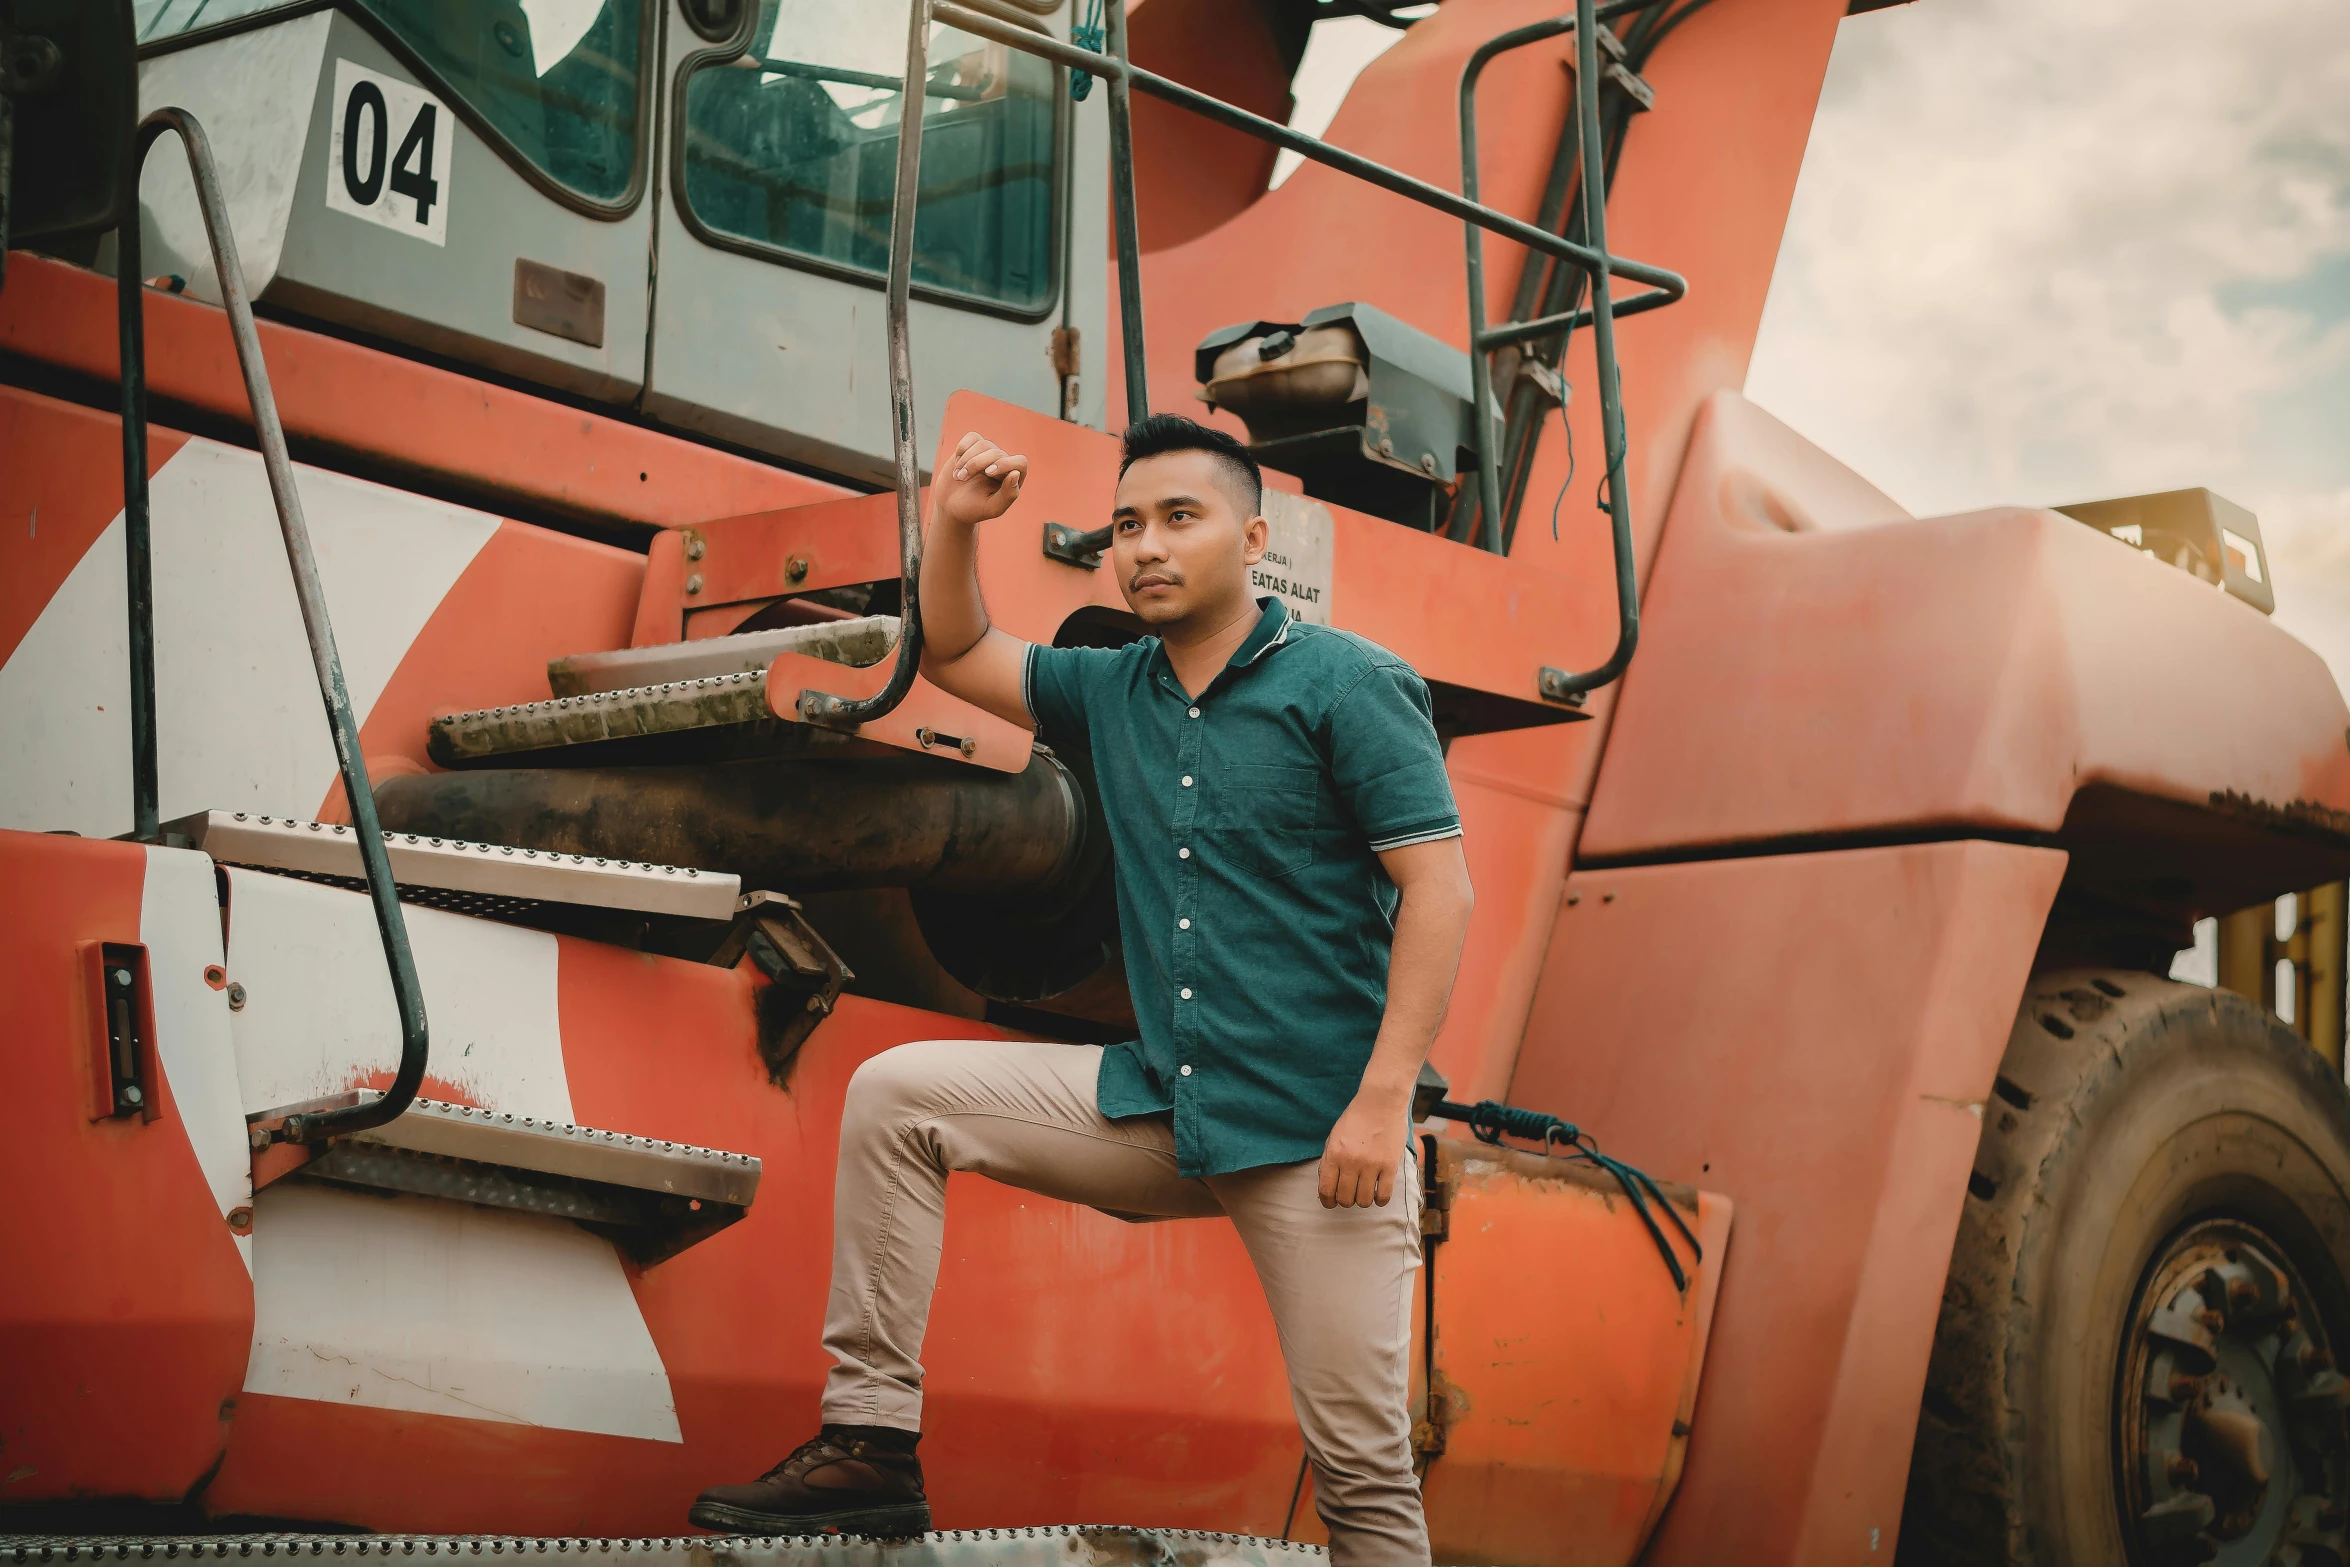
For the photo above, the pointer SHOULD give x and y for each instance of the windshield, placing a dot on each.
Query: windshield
(558, 79)
(794, 146)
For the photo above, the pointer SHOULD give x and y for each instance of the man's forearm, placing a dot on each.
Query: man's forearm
(1431, 924)
(954, 615)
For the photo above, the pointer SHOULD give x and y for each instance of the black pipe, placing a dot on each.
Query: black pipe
(1611, 405)
(1127, 220)
(797, 825)
(137, 545)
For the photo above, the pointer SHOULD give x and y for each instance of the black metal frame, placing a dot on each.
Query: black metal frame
(1122, 75)
(130, 288)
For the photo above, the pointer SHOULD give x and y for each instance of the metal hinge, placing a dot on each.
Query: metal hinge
(773, 932)
(1073, 547)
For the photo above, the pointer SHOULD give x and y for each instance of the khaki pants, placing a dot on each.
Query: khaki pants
(1338, 1279)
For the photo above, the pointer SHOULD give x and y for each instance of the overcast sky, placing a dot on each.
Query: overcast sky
(2051, 250)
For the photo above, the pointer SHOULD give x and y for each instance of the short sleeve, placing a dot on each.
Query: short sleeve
(1387, 763)
(1054, 684)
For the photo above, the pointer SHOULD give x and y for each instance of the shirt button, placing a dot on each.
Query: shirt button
(1195, 712)
(1187, 780)
(1187, 1071)
(1183, 924)
(1187, 992)
(1183, 854)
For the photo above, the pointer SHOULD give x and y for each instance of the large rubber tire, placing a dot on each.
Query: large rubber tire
(2127, 1109)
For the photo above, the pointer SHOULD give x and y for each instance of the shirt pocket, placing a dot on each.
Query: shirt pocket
(1267, 817)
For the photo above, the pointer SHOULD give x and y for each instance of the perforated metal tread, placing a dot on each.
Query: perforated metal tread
(328, 850)
(1062, 1546)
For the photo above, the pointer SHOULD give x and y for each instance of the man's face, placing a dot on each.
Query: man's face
(1181, 542)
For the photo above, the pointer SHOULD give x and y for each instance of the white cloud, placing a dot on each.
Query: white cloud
(2045, 250)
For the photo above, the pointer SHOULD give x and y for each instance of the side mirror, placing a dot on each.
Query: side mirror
(69, 107)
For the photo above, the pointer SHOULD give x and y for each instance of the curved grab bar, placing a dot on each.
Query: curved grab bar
(407, 994)
(819, 707)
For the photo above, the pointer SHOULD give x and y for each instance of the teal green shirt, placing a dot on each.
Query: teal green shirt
(1246, 827)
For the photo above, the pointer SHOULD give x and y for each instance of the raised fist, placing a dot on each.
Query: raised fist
(980, 482)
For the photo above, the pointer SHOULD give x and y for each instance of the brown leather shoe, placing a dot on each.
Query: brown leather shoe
(848, 1480)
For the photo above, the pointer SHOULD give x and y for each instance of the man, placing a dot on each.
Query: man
(1292, 897)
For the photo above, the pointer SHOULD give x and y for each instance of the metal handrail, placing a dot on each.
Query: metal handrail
(1122, 75)
(1600, 315)
(407, 994)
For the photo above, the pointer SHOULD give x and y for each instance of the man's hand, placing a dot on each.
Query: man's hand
(980, 484)
(1365, 1150)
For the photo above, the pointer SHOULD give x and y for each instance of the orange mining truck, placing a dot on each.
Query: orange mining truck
(470, 803)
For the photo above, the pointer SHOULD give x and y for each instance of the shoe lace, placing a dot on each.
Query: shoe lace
(815, 1449)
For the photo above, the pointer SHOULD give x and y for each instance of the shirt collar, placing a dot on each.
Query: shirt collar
(1272, 630)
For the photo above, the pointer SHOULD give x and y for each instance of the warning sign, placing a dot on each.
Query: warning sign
(1296, 567)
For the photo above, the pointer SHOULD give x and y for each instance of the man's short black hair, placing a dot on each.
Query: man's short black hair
(1155, 435)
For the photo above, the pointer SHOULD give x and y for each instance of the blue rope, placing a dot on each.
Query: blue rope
(1489, 1121)
(1088, 34)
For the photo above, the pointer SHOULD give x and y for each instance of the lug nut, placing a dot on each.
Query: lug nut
(2181, 1470)
(2184, 1388)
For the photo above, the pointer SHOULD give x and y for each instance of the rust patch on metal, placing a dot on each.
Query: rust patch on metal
(2305, 819)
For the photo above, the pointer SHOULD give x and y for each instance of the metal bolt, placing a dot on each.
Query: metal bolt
(2181, 1469)
(693, 584)
(132, 1096)
(2183, 1388)
(122, 977)
(694, 547)
(236, 996)
(796, 568)
(970, 748)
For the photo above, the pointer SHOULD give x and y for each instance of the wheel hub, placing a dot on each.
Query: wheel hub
(2231, 1433)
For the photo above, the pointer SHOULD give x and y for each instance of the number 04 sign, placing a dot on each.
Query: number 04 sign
(387, 154)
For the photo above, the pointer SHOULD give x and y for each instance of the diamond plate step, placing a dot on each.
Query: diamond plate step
(1067, 1546)
(653, 1197)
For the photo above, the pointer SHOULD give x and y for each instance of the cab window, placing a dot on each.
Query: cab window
(557, 79)
(793, 147)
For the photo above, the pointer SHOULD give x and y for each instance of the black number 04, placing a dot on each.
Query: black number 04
(367, 121)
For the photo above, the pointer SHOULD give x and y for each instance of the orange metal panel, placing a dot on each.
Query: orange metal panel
(529, 596)
(64, 468)
(395, 412)
(1983, 668)
(1566, 1402)
(127, 1316)
(928, 720)
(1813, 1035)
